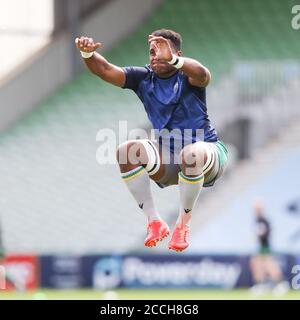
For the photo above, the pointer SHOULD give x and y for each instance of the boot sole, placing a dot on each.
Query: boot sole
(154, 242)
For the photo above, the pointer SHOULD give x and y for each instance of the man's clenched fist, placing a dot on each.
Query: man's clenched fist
(87, 44)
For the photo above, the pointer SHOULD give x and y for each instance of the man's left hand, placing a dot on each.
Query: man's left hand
(162, 47)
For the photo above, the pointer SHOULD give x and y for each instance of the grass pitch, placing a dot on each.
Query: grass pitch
(142, 294)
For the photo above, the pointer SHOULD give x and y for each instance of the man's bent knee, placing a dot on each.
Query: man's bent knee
(193, 158)
(131, 152)
(144, 153)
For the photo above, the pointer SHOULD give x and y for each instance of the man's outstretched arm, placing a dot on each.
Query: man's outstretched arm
(199, 75)
(97, 64)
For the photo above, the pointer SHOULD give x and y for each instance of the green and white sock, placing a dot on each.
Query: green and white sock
(138, 183)
(189, 190)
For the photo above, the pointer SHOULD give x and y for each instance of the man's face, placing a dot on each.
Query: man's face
(161, 68)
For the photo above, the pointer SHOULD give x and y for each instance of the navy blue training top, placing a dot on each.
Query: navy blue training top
(172, 103)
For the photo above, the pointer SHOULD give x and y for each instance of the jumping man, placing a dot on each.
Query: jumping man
(172, 89)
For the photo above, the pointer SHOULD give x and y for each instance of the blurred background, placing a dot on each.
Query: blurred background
(70, 229)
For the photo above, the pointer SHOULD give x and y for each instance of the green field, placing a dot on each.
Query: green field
(134, 294)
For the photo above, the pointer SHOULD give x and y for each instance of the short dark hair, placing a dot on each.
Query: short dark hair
(171, 35)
